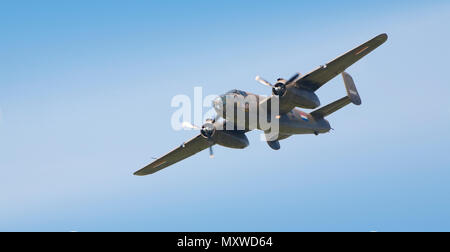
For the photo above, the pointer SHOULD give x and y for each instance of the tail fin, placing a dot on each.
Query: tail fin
(352, 93)
(352, 97)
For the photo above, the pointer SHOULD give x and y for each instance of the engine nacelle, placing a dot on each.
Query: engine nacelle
(235, 139)
(231, 139)
(300, 98)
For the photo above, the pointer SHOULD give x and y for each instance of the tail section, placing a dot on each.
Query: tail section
(331, 108)
(352, 97)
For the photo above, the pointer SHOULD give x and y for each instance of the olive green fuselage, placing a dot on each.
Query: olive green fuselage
(293, 122)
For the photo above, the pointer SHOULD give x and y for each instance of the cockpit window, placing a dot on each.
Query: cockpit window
(235, 91)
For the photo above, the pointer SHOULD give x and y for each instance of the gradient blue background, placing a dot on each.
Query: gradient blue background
(85, 91)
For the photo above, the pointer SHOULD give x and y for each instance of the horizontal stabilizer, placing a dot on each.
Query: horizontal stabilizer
(352, 97)
(331, 108)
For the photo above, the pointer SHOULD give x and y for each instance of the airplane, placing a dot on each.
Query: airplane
(298, 91)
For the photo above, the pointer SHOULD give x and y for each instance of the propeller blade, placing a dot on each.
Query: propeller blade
(211, 152)
(293, 78)
(262, 81)
(188, 125)
(217, 117)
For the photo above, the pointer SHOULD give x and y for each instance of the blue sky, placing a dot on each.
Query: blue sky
(85, 91)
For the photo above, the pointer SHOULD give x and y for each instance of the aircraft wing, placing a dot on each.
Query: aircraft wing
(184, 151)
(323, 74)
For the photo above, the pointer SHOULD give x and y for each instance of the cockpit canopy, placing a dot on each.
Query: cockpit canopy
(239, 92)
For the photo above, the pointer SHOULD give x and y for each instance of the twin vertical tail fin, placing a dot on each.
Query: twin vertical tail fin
(352, 93)
(352, 97)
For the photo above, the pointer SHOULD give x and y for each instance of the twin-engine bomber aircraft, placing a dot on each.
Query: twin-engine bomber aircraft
(298, 91)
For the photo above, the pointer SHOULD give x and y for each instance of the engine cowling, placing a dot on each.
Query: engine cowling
(208, 129)
(228, 138)
(231, 139)
(279, 89)
(291, 95)
(301, 98)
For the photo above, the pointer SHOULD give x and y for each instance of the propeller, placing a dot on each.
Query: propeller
(188, 125)
(211, 152)
(207, 131)
(279, 88)
(262, 81)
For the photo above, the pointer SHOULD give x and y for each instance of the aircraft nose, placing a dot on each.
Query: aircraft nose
(218, 104)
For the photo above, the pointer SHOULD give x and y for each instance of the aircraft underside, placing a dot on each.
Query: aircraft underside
(282, 117)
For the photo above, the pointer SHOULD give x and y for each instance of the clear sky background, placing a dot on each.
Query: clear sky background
(85, 91)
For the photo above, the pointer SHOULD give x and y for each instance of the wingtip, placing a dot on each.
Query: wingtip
(382, 37)
(138, 173)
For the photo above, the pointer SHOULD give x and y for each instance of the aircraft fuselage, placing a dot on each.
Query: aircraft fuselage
(293, 122)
